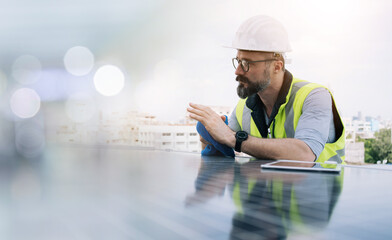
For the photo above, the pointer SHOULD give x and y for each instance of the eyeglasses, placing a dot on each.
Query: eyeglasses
(245, 64)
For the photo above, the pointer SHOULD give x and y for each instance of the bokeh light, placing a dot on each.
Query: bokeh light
(109, 80)
(168, 87)
(25, 103)
(26, 69)
(79, 61)
(80, 107)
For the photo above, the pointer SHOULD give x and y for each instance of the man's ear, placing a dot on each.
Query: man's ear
(278, 65)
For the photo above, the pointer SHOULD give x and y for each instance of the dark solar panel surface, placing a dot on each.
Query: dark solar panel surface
(107, 193)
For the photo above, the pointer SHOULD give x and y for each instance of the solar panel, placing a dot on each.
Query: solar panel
(125, 193)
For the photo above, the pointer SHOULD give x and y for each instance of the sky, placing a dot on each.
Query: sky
(171, 52)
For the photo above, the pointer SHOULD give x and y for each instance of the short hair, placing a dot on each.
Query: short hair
(280, 57)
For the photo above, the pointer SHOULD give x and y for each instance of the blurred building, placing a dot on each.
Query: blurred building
(179, 137)
(132, 129)
(357, 128)
(355, 152)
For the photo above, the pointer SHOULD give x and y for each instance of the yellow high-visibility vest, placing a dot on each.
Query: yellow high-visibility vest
(286, 120)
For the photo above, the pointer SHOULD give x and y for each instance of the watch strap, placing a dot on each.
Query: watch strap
(238, 144)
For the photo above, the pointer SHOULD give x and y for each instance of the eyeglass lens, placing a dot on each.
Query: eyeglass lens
(244, 64)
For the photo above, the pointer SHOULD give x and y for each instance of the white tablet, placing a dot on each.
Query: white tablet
(303, 166)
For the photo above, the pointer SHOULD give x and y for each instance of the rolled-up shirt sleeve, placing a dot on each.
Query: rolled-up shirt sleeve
(316, 121)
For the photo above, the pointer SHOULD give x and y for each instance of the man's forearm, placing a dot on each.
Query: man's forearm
(285, 148)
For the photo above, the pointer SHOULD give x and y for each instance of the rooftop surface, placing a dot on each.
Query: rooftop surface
(76, 192)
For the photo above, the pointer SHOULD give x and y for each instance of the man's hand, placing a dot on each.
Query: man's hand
(204, 142)
(213, 124)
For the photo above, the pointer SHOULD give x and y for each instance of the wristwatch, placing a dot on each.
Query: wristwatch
(240, 136)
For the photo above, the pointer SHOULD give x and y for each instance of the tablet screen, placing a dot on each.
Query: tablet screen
(293, 164)
(302, 166)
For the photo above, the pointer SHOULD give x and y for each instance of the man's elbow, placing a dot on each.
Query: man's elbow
(308, 154)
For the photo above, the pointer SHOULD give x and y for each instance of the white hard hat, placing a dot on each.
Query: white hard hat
(262, 33)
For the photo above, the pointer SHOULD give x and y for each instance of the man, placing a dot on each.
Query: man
(278, 116)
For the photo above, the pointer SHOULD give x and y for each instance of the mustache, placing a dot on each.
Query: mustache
(242, 79)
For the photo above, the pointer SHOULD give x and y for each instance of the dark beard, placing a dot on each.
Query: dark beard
(253, 87)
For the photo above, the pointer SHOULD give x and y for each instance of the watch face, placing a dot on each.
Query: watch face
(242, 135)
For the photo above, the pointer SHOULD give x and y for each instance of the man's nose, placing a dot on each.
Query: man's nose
(239, 70)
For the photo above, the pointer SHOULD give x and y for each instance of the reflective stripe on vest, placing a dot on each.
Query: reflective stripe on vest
(287, 118)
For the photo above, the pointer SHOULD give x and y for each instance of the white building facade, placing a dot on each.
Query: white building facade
(170, 137)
